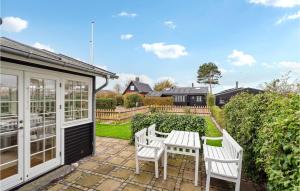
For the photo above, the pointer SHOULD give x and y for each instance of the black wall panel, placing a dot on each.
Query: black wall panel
(78, 142)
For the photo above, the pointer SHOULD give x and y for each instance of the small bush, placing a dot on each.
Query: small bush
(218, 114)
(168, 122)
(158, 101)
(133, 100)
(106, 103)
(119, 99)
(211, 100)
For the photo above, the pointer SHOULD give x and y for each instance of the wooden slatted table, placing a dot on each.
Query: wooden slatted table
(184, 143)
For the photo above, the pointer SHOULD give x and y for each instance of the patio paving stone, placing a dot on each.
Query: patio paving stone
(122, 173)
(88, 180)
(113, 168)
(131, 187)
(143, 178)
(104, 169)
(117, 160)
(88, 165)
(109, 185)
(168, 184)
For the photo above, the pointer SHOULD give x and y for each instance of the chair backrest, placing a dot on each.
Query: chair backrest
(140, 137)
(151, 130)
(231, 146)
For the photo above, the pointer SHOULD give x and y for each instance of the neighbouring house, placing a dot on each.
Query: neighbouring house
(184, 96)
(224, 96)
(47, 115)
(136, 86)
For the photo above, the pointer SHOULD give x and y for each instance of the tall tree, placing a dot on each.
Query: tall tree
(208, 73)
(163, 84)
(117, 88)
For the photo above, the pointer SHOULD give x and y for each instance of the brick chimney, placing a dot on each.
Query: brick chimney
(236, 84)
(137, 79)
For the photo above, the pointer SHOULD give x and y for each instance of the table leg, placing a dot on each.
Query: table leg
(165, 163)
(196, 166)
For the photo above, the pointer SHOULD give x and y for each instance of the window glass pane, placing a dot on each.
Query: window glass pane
(77, 114)
(85, 114)
(37, 133)
(8, 170)
(77, 105)
(37, 159)
(68, 116)
(8, 140)
(50, 143)
(37, 89)
(50, 118)
(50, 106)
(8, 88)
(84, 104)
(10, 154)
(50, 130)
(36, 120)
(37, 146)
(50, 154)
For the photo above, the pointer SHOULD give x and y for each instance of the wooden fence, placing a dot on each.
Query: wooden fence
(113, 115)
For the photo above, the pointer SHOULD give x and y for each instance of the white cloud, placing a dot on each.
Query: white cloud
(43, 46)
(13, 24)
(277, 3)
(166, 51)
(126, 36)
(291, 66)
(127, 14)
(288, 17)
(170, 24)
(239, 58)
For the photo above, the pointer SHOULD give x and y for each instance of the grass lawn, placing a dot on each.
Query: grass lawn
(123, 131)
(212, 131)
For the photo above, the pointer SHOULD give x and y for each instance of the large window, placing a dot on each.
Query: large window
(179, 98)
(199, 98)
(76, 100)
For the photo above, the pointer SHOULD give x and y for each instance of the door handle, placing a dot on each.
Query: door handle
(21, 121)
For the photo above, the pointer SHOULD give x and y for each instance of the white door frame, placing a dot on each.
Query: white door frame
(53, 163)
(17, 178)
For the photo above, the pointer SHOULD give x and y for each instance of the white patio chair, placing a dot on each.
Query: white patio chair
(152, 133)
(145, 151)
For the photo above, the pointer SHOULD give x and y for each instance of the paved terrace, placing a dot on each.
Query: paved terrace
(113, 168)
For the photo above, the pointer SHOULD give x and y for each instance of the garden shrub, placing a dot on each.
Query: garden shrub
(168, 122)
(211, 100)
(119, 100)
(106, 103)
(133, 100)
(218, 114)
(278, 144)
(267, 127)
(158, 101)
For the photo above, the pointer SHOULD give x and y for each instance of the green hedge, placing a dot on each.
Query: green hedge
(168, 122)
(133, 100)
(158, 101)
(218, 114)
(106, 103)
(119, 100)
(267, 127)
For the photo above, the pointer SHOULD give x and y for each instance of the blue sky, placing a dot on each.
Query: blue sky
(251, 41)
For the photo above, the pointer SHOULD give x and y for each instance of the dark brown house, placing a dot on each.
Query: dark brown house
(224, 96)
(185, 96)
(137, 87)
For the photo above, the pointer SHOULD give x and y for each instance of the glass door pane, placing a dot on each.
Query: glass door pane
(42, 120)
(9, 159)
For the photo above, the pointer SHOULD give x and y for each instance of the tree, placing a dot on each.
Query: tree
(163, 84)
(208, 73)
(283, 86)
(117, 88)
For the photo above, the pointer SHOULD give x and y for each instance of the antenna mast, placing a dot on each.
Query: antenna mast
(92, 44)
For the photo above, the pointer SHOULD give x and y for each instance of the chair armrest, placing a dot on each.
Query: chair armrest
(210, 138)
(149, 146)
(161, 133)
(210, 159)
(161, 139)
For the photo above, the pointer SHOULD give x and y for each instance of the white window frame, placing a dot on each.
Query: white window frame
(200, 98)
(131, 87)
(78, 121)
